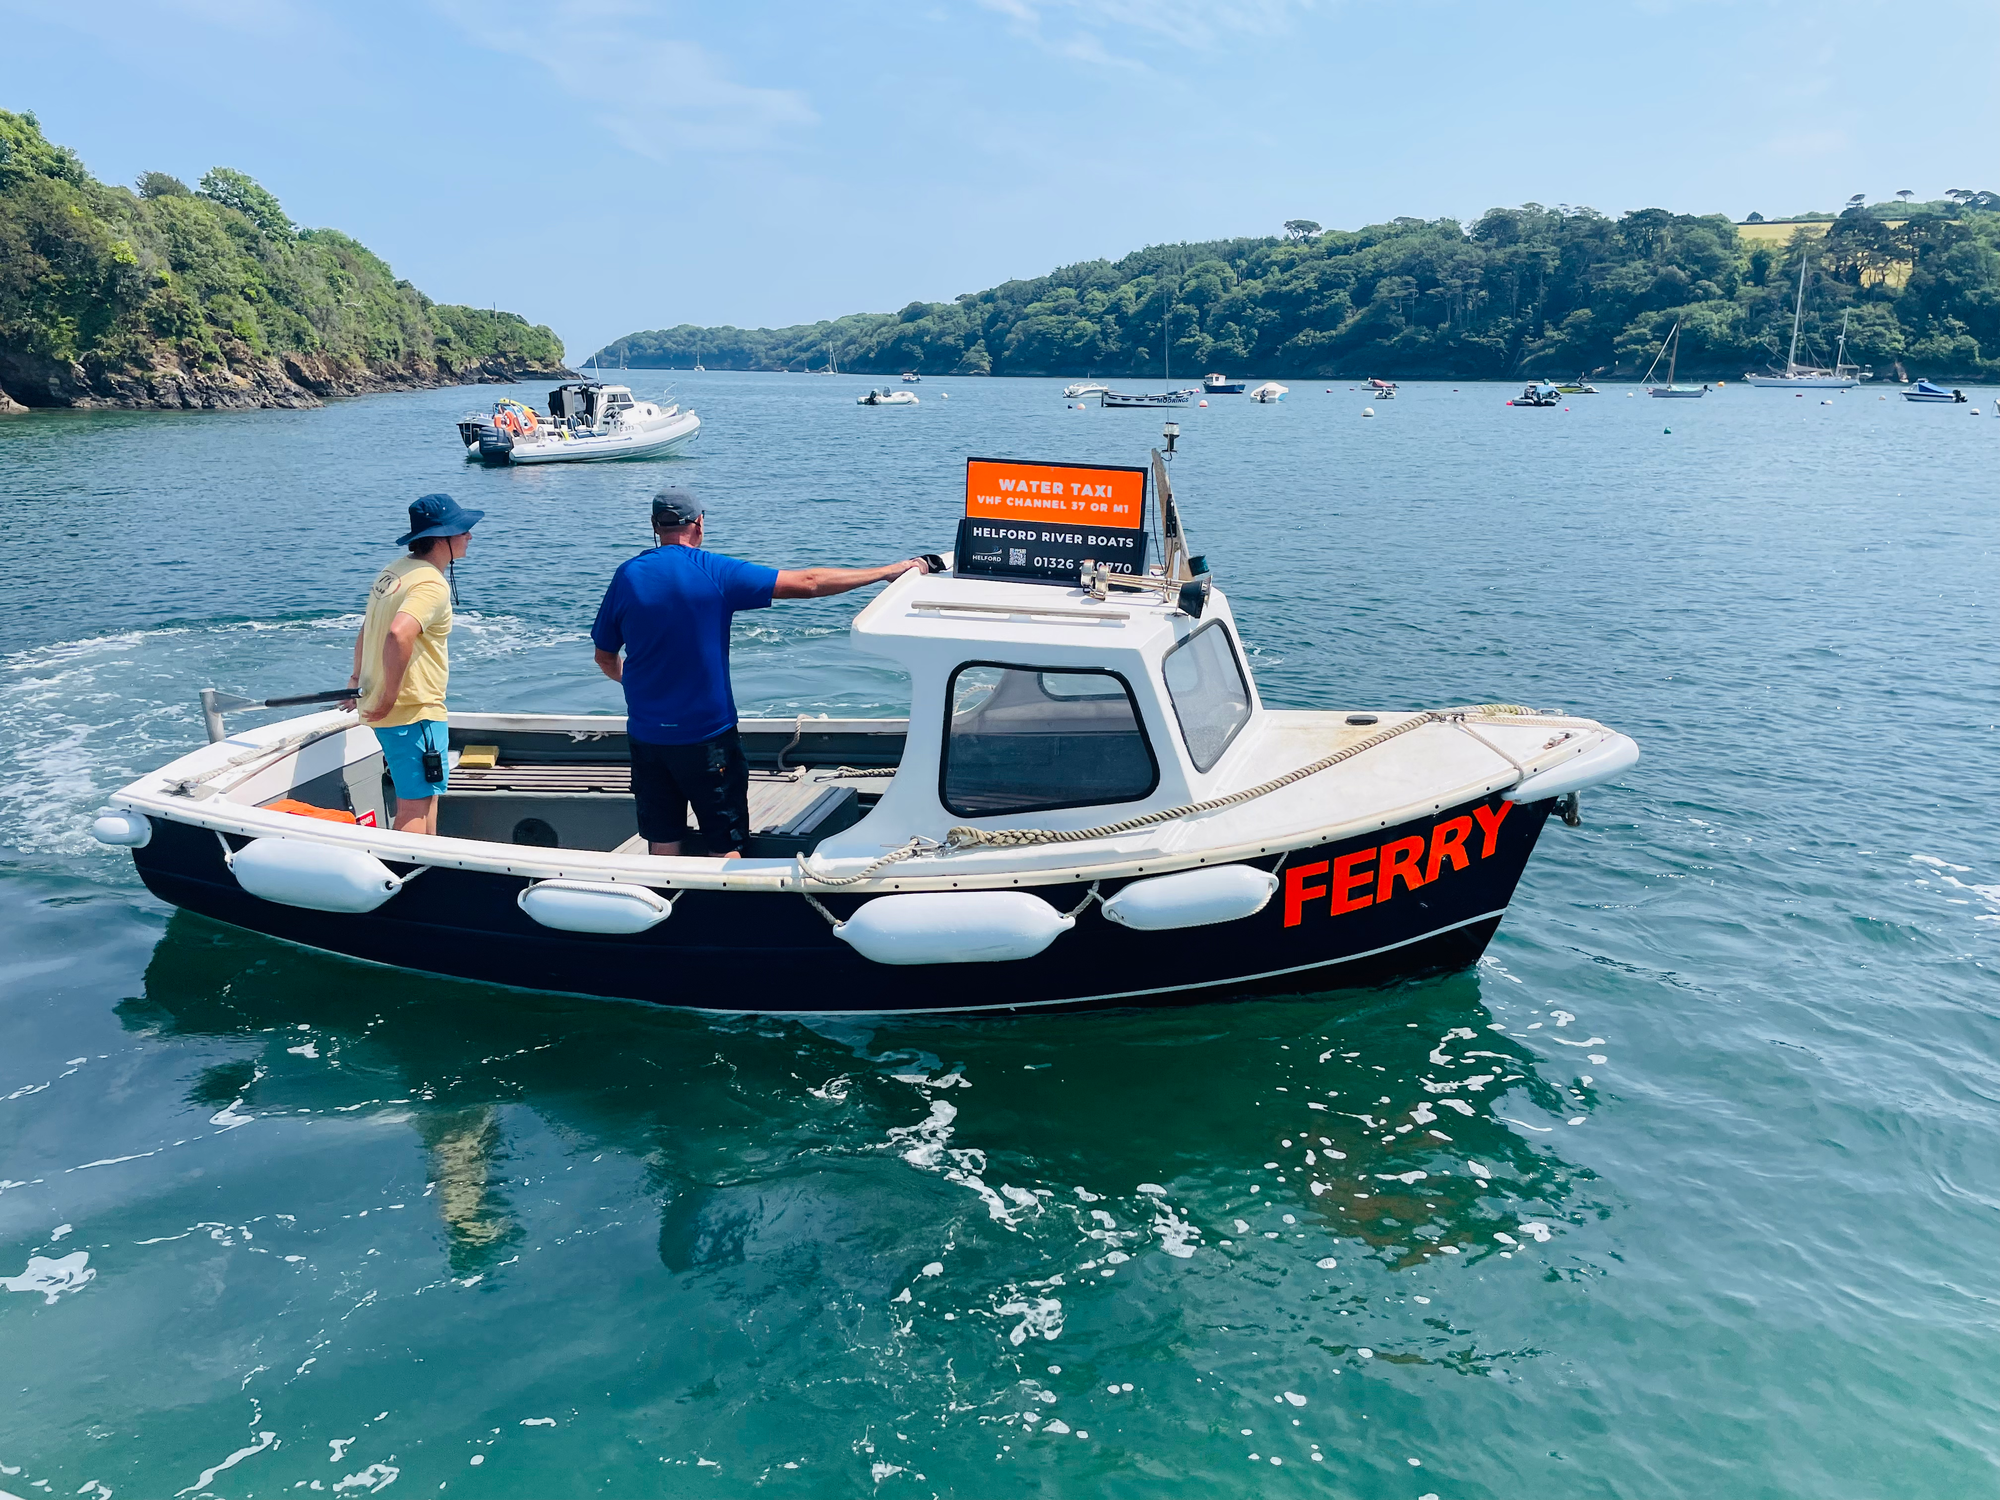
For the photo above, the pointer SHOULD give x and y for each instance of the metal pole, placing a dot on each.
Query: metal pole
(211, 717)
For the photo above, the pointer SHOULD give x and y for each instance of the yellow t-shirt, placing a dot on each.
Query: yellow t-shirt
(408, 586)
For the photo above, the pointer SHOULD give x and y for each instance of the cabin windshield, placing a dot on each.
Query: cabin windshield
(1028, 739)
(1210, 697)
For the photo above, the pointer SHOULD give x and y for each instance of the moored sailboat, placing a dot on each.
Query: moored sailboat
(1796, 376)
(1671, 349)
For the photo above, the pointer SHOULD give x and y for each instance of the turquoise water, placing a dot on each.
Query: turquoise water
(1688, 1189)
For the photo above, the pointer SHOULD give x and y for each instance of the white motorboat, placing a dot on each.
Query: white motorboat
(587, 421)
(1088, 805)
(1270, 391)
(911, 377)
(1084, 388)
(887, 398)
(1926, 390)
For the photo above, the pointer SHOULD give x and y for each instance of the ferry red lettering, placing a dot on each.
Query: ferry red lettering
(1399, 862)
(1298, 893)
(1490, 820)
(1347, 880)
(1448, 843)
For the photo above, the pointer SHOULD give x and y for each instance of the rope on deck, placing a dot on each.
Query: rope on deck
(963, 837)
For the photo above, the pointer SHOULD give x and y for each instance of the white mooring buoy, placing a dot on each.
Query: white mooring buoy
(1367, 411)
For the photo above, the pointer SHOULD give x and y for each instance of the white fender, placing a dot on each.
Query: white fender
(594, 906)
(318, 877)
(1600, 762)
(1192, 898)
(953, 927)
(121, 829)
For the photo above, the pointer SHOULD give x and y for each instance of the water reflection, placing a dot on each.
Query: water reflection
(1367, 1117)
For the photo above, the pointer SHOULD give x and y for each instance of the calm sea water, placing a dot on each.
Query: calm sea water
(1689, 1189)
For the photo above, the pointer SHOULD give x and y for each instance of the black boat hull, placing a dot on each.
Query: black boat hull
(738, 951)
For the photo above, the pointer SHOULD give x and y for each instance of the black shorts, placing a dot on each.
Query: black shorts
(713, 776)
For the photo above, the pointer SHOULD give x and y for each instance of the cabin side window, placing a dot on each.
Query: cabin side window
(1210, 697)
(1030, 739)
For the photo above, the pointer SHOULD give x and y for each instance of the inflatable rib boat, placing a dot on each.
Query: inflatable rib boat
(1089, 805)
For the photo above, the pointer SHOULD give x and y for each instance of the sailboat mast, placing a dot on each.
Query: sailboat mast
(1673, 353)
(1798, 309)
(1840, 350)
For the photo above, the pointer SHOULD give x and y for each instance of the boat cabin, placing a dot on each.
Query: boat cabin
(588, 403)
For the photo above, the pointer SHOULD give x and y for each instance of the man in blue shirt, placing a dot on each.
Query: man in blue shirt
(668, 610)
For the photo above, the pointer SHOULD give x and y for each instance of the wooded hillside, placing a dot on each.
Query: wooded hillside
(211, 297)
(1523, 291)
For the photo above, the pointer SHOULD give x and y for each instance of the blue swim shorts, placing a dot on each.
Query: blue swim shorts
(403, 747)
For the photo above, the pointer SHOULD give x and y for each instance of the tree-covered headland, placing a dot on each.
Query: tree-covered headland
(211, 297)
(1523, 291)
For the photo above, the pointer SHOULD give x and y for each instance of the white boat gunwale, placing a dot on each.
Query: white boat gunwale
(963, 870)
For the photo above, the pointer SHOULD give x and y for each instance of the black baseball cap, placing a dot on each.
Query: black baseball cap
(674, 506)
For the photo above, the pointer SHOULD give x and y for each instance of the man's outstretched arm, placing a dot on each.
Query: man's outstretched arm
(818, 583)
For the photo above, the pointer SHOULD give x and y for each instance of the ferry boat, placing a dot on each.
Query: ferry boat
(588, 420)
(1089, 804)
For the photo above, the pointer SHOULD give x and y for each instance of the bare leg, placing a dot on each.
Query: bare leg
(416, 815)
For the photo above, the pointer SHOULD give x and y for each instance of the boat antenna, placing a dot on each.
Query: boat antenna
(1173, 542)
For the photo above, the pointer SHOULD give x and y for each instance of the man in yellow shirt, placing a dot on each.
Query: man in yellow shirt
(400, 660)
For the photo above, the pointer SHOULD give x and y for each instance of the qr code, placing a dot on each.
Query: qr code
(1017, 557)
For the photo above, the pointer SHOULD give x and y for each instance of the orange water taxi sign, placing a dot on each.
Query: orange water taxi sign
(1041, 521)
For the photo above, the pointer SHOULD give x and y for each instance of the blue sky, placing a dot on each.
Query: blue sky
(610, 165)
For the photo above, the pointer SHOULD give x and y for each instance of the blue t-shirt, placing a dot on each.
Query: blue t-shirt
(669, 609)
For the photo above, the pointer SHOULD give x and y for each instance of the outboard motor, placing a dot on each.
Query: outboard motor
(496, 444)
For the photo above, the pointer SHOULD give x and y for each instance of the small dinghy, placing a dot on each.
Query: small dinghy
(1925, 390)
(1088, 805)
(1148, 398)
(1538, 393)
(887, 398)
(587, 420)
(1270, 391)
(1382, 390)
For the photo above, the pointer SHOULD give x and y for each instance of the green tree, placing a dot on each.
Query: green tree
(233, 189)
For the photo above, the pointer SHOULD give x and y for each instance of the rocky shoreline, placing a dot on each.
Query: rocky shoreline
(288, 380)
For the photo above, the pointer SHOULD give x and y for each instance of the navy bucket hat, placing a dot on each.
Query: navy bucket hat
(438, 515)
